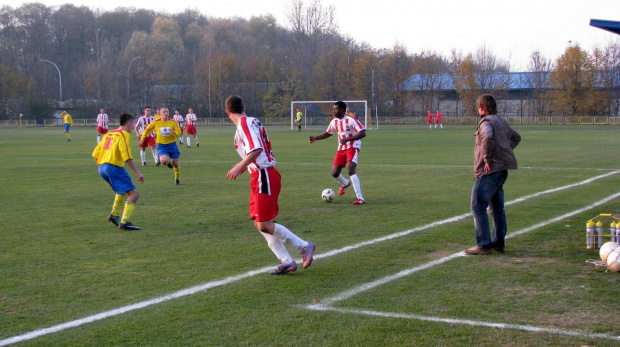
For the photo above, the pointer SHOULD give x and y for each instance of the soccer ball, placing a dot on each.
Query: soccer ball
(613, 260)
(607, 248)
(328, 195)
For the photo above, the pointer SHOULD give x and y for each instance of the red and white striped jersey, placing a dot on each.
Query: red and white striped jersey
(142, 123)
(190, 119)
(251, 136)
(179, 119)
(102, 120)
(346, 127)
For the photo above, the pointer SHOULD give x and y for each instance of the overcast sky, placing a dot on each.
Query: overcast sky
(511, 29)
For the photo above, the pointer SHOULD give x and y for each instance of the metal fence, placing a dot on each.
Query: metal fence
(286, 121)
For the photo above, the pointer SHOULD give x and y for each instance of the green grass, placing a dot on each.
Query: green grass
(61, 261)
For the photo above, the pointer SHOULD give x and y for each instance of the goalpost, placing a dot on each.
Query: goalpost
(319, 113)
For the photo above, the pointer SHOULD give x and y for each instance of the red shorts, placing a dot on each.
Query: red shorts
(191, 129)
(343, 157)
(101, 130)
(264, 191)
(149, 141)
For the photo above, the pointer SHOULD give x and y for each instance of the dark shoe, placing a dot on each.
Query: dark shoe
(307, 254)
(177, 182)
(197, 145)
(116, 220)
(477, 251)
(158, 163)
(283, 269)
(128, 226)
(497, 251)
(169, 165)
(143, 163)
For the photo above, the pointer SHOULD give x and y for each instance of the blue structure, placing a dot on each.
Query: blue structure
(608, 25)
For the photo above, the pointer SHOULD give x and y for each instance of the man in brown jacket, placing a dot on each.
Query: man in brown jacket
(493, 157)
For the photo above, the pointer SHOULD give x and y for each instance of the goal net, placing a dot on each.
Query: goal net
(318, 114)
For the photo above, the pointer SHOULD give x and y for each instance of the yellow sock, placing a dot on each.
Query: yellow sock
(118, 202)
(177, 171)
(129, 207)
(68, 135)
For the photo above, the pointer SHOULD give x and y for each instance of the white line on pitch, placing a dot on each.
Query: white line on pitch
(193, 290)
(528, 328)
(326, 303)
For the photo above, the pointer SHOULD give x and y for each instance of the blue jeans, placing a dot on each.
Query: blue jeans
(488, 192)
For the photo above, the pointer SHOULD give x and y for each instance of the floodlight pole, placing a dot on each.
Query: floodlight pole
(132, 60)
(59, 76)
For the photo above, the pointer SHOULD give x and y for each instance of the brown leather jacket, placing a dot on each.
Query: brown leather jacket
(495, 141)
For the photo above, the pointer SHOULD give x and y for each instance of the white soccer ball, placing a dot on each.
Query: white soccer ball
(328, 195)
(613, 260)
(607, 248)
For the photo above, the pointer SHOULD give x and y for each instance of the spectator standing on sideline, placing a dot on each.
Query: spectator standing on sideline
(493, 157)
(111, 154)
(253, 145)
(190, 122)
(350, 132)
(102, 124)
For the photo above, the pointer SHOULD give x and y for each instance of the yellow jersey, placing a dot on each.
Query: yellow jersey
(114, 148)
(163, 131)
(67, 118)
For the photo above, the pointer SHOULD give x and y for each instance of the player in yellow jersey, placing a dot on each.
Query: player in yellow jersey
(68, 124)
(111, 154)
(166, 133)
(157, 116)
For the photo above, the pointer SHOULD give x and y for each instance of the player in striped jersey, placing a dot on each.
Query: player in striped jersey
(190, 122)
(111, 154)
(350, 132)
(181, 122)
(254, 147)
(102, 124)
(141, 124)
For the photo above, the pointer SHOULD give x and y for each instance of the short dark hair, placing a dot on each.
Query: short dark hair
(487, 103)
(341, 105)
(145, 107)
(124, 118)
(234, 104)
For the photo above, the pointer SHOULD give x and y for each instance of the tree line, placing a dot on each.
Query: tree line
(73, 57)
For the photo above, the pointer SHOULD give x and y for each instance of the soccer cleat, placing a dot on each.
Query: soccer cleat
(307, 254)
(477, 251)
(158, 163)
(177, 182)
(143, 163)
(181, 142)
(116, 220)
(197, 145)
(128, 226)
(188, 146)
(169, 165)
(283, 269)
(359, 202)
(342, 188)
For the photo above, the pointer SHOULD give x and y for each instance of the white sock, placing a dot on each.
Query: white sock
(196, 138)
(343, 181)
(188, 141)
(277, 247)
(143, 156)
(357, 187)
(287, 236)
(155, 157)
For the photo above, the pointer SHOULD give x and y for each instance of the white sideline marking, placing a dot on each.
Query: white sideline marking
(325, 305)
(528, 328)
(193, 290)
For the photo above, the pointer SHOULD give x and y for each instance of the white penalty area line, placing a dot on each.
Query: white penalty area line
(228, 280)
(326, 305)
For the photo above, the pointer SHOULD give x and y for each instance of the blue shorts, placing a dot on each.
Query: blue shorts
(170, 149)
(117, 177)
(67, 126)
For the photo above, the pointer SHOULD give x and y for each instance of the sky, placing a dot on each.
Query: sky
(512, 30)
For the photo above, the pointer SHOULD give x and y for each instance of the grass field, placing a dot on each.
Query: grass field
(388, 273)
